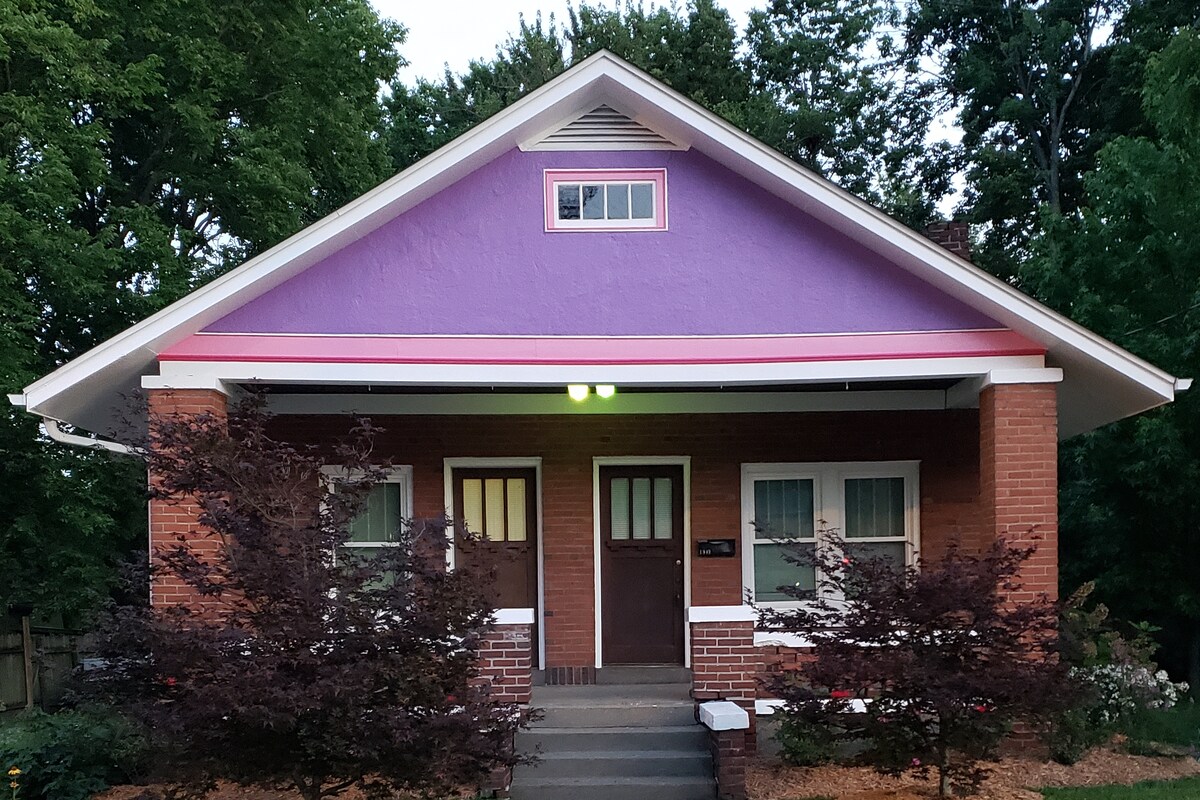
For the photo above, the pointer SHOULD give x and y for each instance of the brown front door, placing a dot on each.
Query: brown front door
(641, 564)
(499, 506)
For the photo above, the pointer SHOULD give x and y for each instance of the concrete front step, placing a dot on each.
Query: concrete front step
(650, 738)
(615, 742)
(614, 789)
(616, 716)
(613, 706)
(619, 764)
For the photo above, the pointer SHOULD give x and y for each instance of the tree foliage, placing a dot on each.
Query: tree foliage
(1041, 88)
(942, 659)
(142, 152)
(833, 92)
(1128, 267)
(300, 664)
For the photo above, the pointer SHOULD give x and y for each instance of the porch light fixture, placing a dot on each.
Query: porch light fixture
(605, 390)
(578, 391)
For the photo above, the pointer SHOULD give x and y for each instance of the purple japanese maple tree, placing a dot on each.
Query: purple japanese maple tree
(297, 663)
(924, 668)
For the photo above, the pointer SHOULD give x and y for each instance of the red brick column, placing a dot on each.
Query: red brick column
(725, 662)
(506, 662)
(1018, 477)
(178, 517)
(730, 757)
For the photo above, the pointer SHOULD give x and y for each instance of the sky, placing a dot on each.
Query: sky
(455, 31)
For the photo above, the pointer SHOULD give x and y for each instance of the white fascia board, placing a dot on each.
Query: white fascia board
(178, 374)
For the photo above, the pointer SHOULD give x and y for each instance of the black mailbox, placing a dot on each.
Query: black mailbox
(716, 548)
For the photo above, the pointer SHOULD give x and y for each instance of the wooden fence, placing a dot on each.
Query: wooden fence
(55, 655)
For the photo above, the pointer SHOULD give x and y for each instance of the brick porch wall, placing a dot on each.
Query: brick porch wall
(505, 662)
(171, 519)
(945, 442)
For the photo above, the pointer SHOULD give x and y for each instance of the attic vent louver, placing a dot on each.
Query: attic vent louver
(604, 128)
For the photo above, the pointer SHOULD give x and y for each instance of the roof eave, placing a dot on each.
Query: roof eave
(603, 75)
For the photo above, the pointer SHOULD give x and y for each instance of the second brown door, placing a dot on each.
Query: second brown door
(641, 564)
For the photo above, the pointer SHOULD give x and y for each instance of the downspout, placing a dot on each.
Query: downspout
(55, 432)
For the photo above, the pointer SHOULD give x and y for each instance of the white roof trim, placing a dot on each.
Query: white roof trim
(1087, 358)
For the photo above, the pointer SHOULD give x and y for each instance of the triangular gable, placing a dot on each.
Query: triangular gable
(1102, 382)
(734, 262)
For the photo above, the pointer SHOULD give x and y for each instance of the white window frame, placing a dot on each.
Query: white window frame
(656, 178)
(829, 503)
(402, 475)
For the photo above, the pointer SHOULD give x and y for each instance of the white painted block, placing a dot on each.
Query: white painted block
(722, 715)
(739, 613)
(514, 616)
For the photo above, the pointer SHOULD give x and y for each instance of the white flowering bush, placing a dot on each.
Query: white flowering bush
(1115, 679)
(1121, 690)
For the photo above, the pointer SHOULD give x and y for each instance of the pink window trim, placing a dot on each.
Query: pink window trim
(656, 176)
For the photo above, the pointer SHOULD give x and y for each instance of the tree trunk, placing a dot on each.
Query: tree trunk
(943, 773)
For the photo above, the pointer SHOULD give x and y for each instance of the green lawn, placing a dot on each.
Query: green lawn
(1185, 789)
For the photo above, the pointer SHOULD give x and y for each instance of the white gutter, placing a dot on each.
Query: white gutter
(55, 432)
(1183, 384)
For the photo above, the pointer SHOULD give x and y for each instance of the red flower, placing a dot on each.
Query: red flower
(170, 681)
(841, 694)
(450, 698)
(981, 709)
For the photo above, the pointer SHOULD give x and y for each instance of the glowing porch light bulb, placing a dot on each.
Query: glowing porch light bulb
(577, 391)
(605, 390)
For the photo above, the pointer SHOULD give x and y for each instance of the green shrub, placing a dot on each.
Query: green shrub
(1115, 685)
(1072, 733)
(803, 744)
(1157, 732)
(68, 755)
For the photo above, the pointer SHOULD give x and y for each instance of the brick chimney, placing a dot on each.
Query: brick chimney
(954, 236)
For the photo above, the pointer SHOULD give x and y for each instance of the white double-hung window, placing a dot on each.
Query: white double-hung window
(790, 509)
(386, 508)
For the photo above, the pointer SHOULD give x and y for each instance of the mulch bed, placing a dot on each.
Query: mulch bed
(224, 792)
(1011, 778)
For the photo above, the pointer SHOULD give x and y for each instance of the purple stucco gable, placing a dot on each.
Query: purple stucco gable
(475, 259)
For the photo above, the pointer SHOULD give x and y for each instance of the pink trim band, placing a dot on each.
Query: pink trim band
(597, 350)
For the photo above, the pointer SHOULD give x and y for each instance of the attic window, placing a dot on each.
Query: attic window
(606, 200)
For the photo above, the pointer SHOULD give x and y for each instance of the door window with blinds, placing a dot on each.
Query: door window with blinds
(387, 507)
(497, 508)
(789, 510)
(641, 509)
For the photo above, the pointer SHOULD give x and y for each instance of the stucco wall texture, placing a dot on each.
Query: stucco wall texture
(475, 259)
